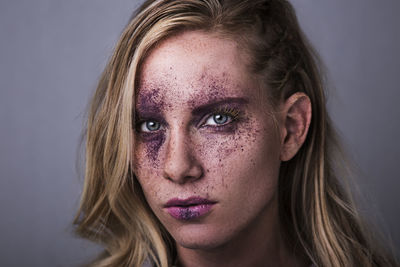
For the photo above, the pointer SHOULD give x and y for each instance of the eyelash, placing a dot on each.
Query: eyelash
(233, 114)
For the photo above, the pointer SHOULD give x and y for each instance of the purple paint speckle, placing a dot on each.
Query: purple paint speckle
(187, 214)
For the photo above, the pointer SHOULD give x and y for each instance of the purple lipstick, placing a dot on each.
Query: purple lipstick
(188, 209)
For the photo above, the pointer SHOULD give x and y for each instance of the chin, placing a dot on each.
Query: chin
(199, 237)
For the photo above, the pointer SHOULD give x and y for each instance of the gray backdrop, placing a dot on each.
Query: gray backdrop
(52, 52)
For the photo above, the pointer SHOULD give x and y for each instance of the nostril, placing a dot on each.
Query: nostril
(183, 171)
(181, 167)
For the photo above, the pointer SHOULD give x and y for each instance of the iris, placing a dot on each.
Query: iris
(150, 126)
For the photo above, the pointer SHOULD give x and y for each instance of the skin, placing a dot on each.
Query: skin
(235, 164)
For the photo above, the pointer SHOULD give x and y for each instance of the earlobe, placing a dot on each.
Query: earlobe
(296, 121)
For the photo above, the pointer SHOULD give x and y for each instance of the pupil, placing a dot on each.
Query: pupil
(220, 118)
(152, 125)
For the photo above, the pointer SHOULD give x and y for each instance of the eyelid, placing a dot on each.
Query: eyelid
(140, 122)
(142, 117)
(232, 112)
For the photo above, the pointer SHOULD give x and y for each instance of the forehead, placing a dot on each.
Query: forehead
(194, 66)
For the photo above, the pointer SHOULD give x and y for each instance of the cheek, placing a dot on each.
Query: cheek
(250, 164)
(146, 153)
(152, 146)
(146, 166)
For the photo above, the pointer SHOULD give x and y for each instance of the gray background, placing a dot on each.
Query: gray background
(52, 53)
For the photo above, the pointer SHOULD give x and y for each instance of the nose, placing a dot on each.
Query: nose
(181, 165)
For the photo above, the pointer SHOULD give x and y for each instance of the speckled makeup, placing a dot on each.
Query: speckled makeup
(206, 151)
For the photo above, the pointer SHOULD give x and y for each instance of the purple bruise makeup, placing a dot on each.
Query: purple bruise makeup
(189, 213)
(154, 143)
(149, 107)
(188, 209)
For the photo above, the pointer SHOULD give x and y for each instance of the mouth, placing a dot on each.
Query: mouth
(188, 209)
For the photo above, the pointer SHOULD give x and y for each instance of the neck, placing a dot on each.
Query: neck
(257, 245)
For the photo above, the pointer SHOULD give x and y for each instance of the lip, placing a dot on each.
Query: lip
(189, 208)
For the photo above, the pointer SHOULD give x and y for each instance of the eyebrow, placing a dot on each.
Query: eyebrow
(197, 111)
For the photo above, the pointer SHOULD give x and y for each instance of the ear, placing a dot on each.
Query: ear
(296, 121)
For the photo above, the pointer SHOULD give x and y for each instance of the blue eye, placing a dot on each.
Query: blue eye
(149, 126)
(218, 119)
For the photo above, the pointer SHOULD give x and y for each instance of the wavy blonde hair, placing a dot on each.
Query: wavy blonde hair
(317, 214)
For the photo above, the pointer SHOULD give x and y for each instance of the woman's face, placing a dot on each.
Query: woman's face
(206, 152)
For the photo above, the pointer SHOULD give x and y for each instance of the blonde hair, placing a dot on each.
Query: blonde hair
(317, 214)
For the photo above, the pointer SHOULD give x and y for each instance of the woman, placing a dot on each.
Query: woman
(209, 144)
